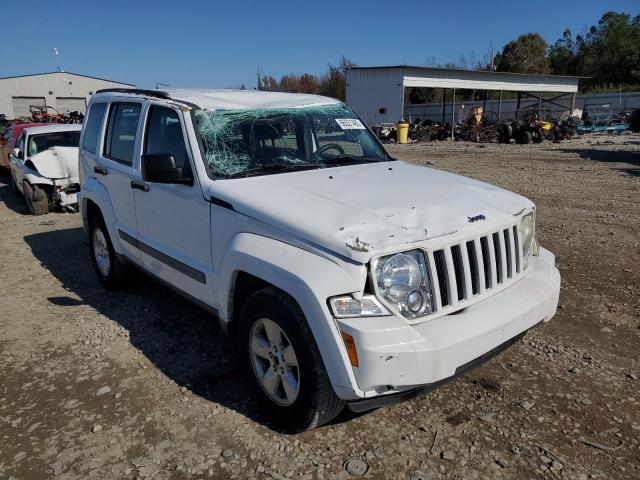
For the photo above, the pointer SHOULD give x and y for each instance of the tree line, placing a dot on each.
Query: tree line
(608, 53)
(331, 84)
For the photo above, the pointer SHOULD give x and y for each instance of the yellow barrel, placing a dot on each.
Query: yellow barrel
(402, 129)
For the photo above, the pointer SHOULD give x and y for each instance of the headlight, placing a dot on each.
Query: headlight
(347, 306)
(528, 235)
(403, 281)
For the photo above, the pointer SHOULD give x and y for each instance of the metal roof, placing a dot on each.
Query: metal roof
(225, 99)
(428, 77)
(246, 99)
(441, 69)
(65, 73)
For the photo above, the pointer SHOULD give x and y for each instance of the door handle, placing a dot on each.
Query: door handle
(100, 170)
(139, 186)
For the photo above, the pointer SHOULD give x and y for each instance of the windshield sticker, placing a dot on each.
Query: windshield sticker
(350, 124)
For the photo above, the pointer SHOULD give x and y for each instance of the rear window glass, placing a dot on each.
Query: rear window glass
(121, 137)
(92, 127)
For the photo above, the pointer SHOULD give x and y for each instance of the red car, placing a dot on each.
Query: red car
(8, 140)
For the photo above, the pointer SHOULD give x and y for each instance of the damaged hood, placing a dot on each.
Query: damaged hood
(56, 162)
(363, 210)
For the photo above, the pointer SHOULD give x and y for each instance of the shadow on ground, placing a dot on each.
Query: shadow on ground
(14, 202)
(180, 339)
(607, 156)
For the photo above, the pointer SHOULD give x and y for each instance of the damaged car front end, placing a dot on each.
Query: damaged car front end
(56, 171)
(44, 168)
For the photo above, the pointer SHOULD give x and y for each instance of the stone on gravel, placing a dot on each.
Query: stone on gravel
(418, 475)
(448, 455)
(146, 467)
(103, 391)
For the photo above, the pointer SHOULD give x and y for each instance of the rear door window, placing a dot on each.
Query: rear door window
(121, 132)
(92, 127)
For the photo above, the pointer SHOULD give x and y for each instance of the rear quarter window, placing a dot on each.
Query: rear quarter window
(92, 127)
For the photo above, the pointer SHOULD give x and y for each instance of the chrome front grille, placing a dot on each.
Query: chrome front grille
(466, 272)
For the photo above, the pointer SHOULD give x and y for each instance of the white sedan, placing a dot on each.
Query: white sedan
(44, 167)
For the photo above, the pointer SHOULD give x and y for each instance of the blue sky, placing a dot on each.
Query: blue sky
(200, 43)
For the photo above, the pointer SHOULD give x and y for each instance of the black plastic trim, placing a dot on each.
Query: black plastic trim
(222, 203)
(181, 267)
(137, 91)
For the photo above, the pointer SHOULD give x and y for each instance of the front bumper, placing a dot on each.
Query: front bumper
(396, 357)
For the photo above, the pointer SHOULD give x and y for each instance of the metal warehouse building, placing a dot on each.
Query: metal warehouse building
(377, 94)
(64, 91)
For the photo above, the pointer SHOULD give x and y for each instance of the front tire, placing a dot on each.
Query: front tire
(111, 272)
(36, 198)
(283, 364)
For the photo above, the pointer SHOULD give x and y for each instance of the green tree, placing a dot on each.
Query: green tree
(610, 51)
(563, 55)
(525, 54)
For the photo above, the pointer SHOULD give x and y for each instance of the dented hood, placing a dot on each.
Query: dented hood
(57, 162)
(362, 210)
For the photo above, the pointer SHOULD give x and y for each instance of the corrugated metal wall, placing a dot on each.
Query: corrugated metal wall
(50, 86)
(376, 96)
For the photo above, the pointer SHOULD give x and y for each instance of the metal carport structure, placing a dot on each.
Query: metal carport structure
(377, 93)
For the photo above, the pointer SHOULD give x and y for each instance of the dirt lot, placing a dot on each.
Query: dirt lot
(141, 384)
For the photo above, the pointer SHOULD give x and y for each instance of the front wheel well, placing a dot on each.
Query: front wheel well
(244, 286)
(93, 211)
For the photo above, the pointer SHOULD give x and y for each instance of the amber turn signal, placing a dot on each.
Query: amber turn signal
(350, 343)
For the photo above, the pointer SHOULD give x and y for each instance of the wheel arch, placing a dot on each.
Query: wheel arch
(94, 198)
(252, 262)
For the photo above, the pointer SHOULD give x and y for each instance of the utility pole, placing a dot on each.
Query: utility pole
(57, 54)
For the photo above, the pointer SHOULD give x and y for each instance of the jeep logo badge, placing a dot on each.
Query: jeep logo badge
(477, 218)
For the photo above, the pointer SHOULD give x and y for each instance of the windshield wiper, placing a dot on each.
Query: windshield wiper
(275, 167)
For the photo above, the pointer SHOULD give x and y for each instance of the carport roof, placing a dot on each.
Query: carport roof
(432, 77)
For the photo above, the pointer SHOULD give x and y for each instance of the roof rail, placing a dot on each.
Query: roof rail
(139, 91)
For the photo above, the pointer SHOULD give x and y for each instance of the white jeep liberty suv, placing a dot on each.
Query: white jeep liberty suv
(345, 276)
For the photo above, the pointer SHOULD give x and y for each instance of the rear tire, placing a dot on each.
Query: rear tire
(111, 272)
(283, 364)
(36, 198)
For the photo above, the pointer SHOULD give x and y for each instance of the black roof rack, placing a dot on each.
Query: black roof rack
(139, 91)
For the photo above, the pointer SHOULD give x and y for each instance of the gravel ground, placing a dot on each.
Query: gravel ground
(142, 384)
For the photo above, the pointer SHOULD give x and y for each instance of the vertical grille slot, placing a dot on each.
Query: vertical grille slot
(456, 255)
(498, 256)
(486, 260)
(441, 271)
(473, 267)
(516, 248)
(507, 247)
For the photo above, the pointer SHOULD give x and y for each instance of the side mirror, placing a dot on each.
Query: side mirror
(17, 152)
(161, 168)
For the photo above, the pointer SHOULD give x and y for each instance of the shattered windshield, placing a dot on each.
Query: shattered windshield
(40, 143)
(239, 143)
